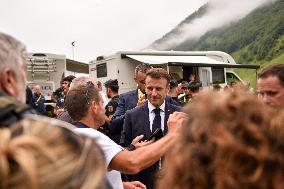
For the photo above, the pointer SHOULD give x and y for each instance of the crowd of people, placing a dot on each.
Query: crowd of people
(164, 134)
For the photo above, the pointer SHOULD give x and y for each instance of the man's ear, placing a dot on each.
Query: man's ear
(94, 106)
(107, 90)
(8, 82)
(168, 88)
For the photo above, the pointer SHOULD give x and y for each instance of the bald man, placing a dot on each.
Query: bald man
(39, 100)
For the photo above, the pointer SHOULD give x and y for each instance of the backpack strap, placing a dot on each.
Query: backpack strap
(11, 110)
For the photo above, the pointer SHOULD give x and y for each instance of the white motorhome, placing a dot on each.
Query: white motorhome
(47, 70)
(210, 67)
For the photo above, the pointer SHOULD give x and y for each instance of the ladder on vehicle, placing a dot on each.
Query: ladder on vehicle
(40, 65)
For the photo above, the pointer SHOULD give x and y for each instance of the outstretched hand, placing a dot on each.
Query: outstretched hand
(138, 143)
(134, 185)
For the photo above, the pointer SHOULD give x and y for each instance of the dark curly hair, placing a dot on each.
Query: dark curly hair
(232, 141)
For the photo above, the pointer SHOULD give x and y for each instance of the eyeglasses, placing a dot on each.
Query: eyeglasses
(90, 85)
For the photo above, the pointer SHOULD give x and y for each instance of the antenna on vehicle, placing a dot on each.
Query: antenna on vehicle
(73, 46)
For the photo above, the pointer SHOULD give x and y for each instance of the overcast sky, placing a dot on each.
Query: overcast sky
(98, 27)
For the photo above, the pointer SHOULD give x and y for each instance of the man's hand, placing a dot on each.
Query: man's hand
(138, 144)
(58, 111)
(134, 185)
(107, 119)
(176, 121)
(141, 101)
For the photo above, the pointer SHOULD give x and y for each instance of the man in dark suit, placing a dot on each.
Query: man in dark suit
(152, 115)
(131, 99)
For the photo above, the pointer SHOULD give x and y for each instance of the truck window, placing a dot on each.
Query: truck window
(218, 75)
(231, 77)
(101, 70)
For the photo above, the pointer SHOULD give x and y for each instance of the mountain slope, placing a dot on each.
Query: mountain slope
(256, 39)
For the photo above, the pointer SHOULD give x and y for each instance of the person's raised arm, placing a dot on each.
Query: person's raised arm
(134, 161)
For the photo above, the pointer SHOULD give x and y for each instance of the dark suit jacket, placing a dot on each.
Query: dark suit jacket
(137, 123)
(127, 101)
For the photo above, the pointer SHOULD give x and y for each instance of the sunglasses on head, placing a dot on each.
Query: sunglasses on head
(90, 85)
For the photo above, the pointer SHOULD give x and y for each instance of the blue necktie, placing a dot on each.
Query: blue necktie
(157, 120)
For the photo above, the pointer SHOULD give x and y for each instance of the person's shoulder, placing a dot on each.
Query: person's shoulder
(110, 103)
(174, 107)
(129, 93)
(115, 98)
(90, 132)
(137, 110)
(102, 139)
(52, 121)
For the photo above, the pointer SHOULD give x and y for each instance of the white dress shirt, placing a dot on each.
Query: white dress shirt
(152, 114)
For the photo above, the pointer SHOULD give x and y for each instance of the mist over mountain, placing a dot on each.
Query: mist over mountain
(256, 38)
(214, 14)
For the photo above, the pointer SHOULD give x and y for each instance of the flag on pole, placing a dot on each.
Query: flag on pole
(73, 43)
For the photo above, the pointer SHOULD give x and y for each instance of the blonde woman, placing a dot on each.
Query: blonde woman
(38, 154)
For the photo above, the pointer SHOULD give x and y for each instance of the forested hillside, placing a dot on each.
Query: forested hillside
(256, 39)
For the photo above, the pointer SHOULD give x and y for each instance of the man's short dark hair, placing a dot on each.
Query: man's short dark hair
(274, 70)
(194, 86)
(68, 78)
(112, 84)
(78, 100)
(173, 84)
(158, 73)
(144, 67)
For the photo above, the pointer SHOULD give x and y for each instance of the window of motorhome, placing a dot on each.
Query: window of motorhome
(218, 75)
(231, 77)
(101, 70)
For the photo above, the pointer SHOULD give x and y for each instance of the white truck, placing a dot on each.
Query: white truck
(210, 67)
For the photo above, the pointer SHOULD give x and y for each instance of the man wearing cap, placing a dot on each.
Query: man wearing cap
(186, 96)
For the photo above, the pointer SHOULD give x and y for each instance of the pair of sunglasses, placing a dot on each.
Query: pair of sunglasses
(90, 85)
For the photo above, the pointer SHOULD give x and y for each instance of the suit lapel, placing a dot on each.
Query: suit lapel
(145, 120)
(168, 111)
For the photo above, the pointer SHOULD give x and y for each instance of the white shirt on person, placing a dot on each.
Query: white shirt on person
(110, 149)
(152, 115)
